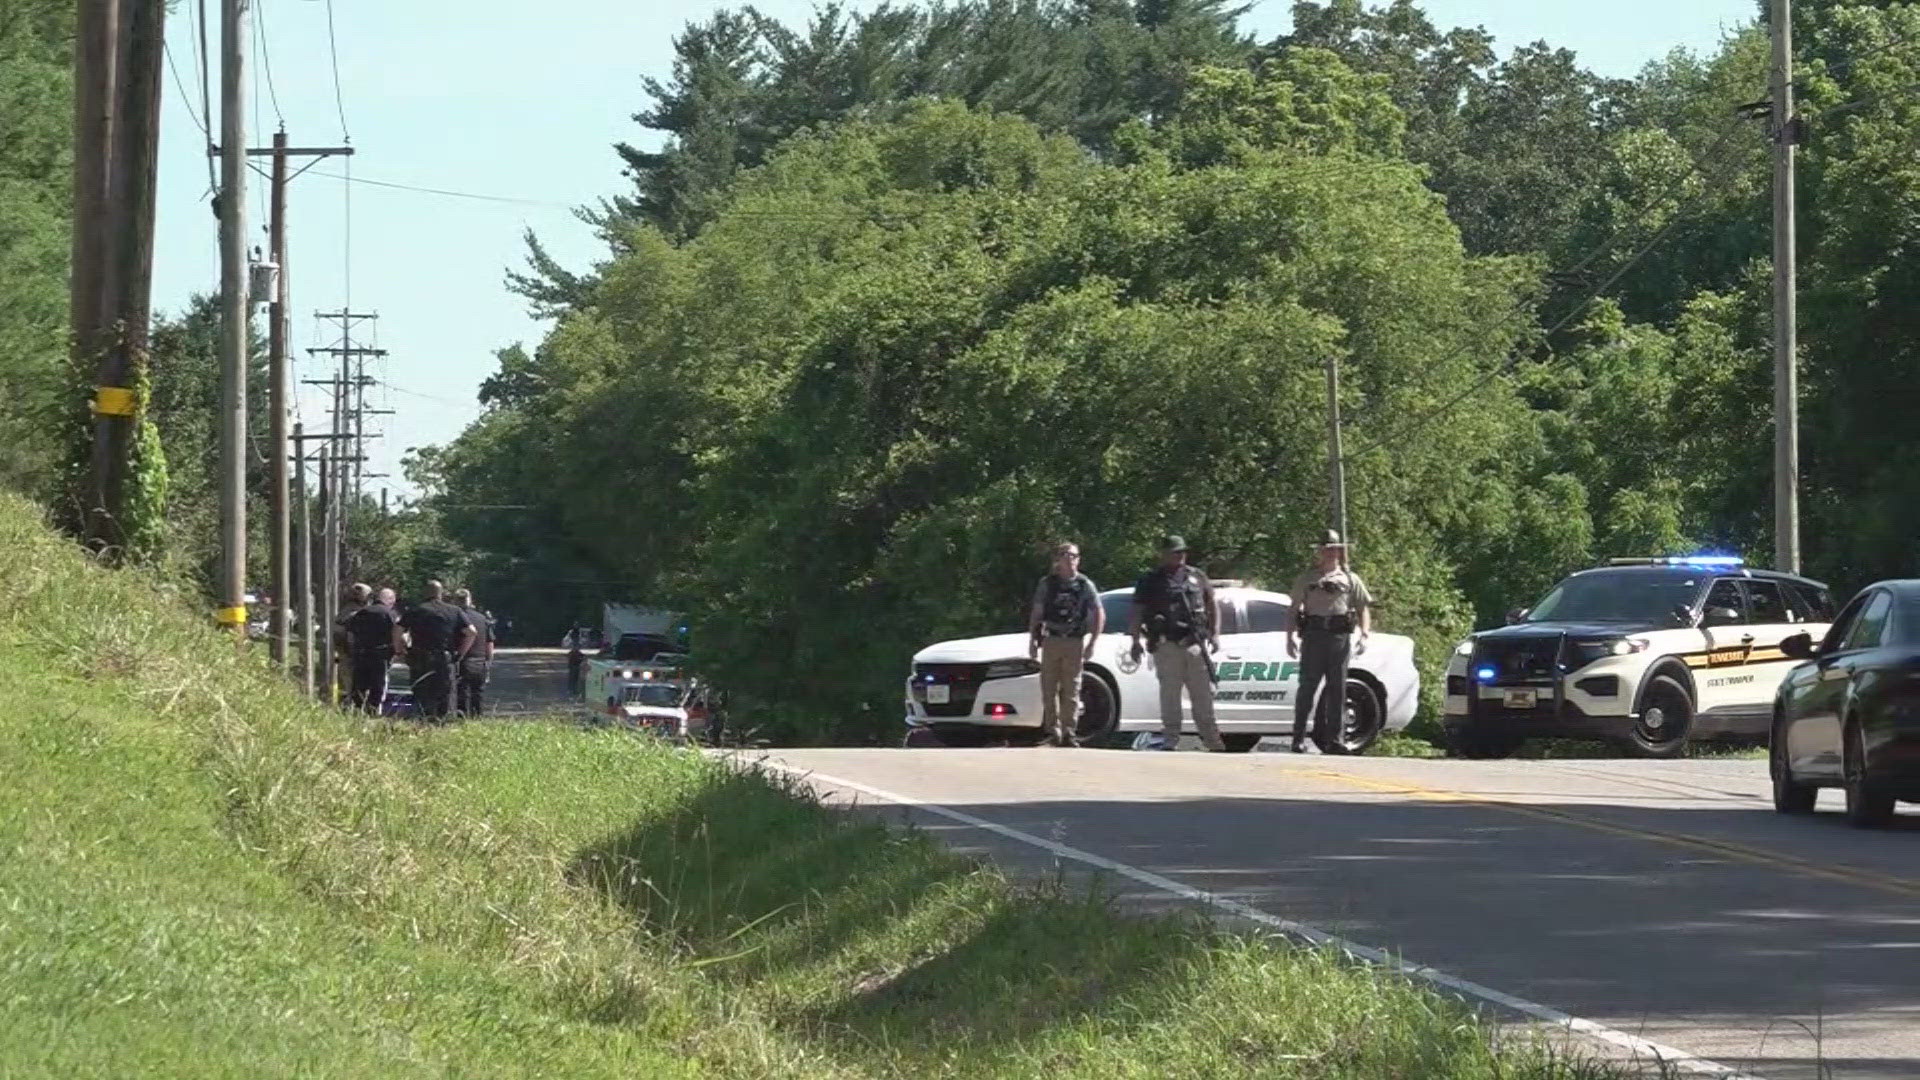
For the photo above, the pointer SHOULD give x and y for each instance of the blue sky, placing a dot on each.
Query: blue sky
(524, 102)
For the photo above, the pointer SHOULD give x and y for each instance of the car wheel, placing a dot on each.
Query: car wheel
(1869, 805)
(1362, 722)
(1099, 710)
(1240, 743)
(1476, 745)
(1666, 715)
(1789, 795)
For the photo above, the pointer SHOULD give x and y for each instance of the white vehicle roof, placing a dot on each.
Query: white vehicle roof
(1229, 591)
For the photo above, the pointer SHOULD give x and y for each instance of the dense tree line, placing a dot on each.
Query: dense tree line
(903, 295)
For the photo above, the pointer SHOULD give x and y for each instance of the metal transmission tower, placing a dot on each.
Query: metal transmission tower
(349, 436)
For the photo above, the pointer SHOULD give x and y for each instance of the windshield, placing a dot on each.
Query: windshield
(654, 695)
(1624, 596)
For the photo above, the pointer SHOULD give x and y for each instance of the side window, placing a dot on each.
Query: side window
(1725, 594)
(1766, 604)
(1266, 616)
(1815, 601)
(1231, 621)
(1869, 629)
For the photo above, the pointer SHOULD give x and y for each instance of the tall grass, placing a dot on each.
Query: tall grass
(203, 875)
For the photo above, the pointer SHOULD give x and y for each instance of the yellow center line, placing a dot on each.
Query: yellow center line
(1864, 878)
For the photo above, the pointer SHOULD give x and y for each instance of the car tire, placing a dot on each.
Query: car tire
(1666, 717)
(1099, 710)
(1789, 795)
(1869, 804)
(1240, 742)
(1365, 718)
(1474, 745)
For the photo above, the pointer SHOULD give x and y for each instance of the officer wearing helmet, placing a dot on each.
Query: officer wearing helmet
(1330, 603)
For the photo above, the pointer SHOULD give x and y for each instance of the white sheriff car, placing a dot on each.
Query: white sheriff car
(964, 692)
(1650, 653)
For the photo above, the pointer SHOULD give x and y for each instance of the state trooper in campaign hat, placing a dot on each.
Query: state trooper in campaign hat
(1330, 619)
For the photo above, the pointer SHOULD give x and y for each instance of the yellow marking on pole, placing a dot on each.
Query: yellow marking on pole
(1864, 878)
(114, 401)
(233, 616)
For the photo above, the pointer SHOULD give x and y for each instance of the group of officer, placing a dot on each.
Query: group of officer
(448, 648)
(1174, 611)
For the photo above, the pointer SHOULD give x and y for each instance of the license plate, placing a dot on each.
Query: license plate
(938, 694)
(1521, 699)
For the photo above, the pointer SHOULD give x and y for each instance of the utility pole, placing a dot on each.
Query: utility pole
(1786, 376)
(277, 379)
(1336, 456)
(96, 50)
(235, 336)
(302, 560)
(132, 192)
(323, 633)
(117, 61)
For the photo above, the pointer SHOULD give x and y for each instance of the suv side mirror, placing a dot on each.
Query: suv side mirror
(1517, 615)
(1720, 616)
(1682, 615)
(1799, 647)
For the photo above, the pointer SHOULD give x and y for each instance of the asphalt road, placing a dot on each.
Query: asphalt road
(1664, 900)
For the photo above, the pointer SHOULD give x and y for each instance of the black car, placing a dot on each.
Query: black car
(1849, 717)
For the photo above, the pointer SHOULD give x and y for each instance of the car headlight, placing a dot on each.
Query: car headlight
(1012, 669)
(1465, 648)
(1586, 652)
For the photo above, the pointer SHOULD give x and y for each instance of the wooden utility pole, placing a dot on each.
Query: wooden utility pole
(323, 632)
(1786, 346)
(95, 75)
(301, 576)
(127, 296)
(277, 379)
(279, 530)
(1336, 455)
(235, 329)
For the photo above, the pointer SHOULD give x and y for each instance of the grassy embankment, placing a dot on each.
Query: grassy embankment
(202, 875)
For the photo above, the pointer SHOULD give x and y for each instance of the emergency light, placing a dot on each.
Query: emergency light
(1698, 562)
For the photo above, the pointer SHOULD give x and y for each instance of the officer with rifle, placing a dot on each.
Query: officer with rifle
(1173, 606)
(1330, 602)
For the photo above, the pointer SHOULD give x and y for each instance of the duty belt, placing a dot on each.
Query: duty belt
(1338, 624)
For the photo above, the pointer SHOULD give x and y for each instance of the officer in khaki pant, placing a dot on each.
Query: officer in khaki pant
(1331, 619)
(1065, 621)
(1173, 606)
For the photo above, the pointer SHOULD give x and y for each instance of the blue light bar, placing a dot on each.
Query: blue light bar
(1485, 674)
(1707, 562)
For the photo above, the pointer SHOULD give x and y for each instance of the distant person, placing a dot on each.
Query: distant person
(576, 661)
(1330, 603)
(1173, 606)
(369, 649)
(432, 635)
(476, 662)
(1062, 626)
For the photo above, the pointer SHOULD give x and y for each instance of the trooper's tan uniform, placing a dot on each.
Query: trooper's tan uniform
(1327, 607)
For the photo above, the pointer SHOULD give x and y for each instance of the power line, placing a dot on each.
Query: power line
(201, 60)
(445, 191)
(266, 60)
(1573, 312)
(186, 99)
(339, 101)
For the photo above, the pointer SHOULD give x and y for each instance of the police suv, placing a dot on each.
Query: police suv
(1650, 653)
(964, 692)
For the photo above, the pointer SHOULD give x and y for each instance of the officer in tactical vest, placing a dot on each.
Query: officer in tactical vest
(1330, 603)
(1173, 606)
(1063, 624)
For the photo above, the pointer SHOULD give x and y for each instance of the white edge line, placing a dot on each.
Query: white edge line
(1660, 1052)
